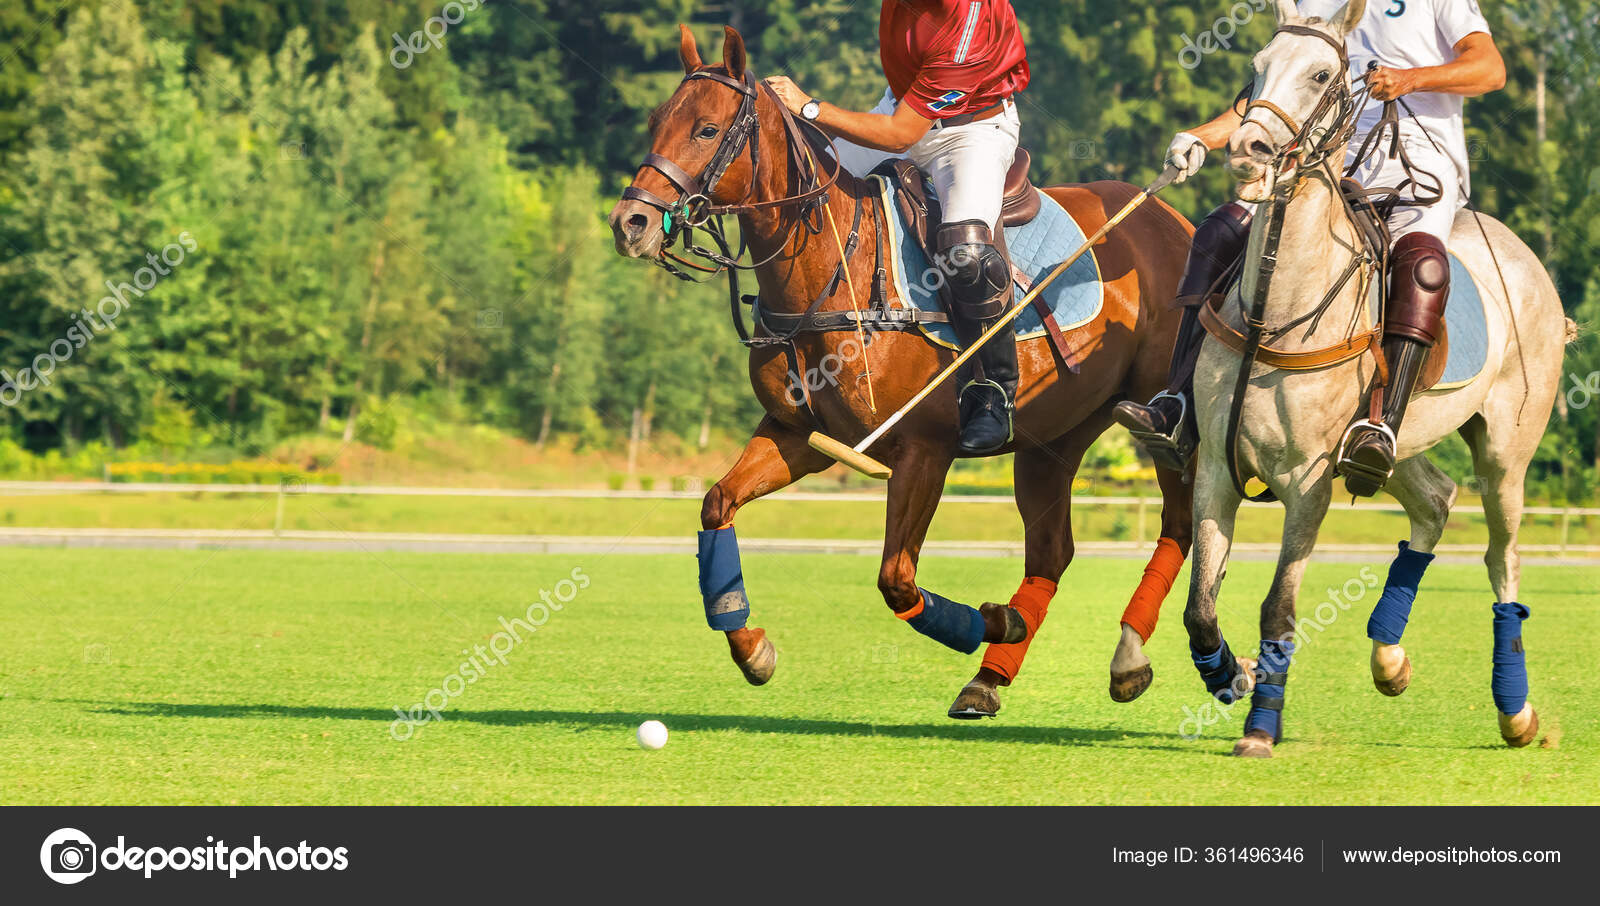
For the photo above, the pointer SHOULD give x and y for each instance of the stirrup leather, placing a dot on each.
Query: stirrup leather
(1170, 450)
(1009, 407)
(1344, 466)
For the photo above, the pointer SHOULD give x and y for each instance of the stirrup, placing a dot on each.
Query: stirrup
(1347, 467)
(1171, 451)
(1008, 409)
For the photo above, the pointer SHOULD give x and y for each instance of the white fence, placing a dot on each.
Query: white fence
(1143, 507)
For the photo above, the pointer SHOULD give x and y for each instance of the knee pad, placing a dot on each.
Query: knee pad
(1218, 242)
(1419, 285)
(980, 278)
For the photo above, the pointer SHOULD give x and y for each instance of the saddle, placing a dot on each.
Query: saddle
(1372, 209)
(1019, 205)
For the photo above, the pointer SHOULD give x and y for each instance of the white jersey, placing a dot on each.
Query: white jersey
(1410, 34)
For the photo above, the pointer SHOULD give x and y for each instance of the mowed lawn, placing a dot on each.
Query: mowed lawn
(164, 677)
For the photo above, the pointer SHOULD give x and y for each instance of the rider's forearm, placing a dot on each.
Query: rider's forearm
(1477, 69)
(1215, 133)
(881, 132)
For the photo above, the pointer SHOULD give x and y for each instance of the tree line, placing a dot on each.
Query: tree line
(403, 202)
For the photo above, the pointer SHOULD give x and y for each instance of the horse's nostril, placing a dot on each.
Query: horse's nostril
(636, 224)
(1259, 148)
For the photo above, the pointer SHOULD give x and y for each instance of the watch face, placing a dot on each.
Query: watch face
(811, 110)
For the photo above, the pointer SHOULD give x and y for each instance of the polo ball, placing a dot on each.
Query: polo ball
(652, 734)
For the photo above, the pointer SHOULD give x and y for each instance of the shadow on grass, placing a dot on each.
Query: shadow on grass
(613, 720)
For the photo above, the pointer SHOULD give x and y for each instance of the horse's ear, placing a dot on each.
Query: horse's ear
(1287, 10)
(733, 52)
(1345, 20)
(687, 51)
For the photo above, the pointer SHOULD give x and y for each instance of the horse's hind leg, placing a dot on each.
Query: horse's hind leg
(1427, 494)
(1042, 477)
(1501, 465)
(775, 457)
(1131, 673)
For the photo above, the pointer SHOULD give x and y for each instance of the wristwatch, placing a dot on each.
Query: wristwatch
(811, 110)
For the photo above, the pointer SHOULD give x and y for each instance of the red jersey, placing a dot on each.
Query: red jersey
(949, 57)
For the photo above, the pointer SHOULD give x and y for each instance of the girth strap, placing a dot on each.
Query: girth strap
(1287, 359)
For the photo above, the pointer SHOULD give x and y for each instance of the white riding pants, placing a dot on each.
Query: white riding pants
(967, 164)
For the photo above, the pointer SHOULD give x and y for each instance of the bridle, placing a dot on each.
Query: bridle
(694, 207)
(1309, 147)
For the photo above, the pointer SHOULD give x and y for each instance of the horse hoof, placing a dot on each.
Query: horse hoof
(1520, 728)
(976, 699)
(1125, 687)
(1016, 630)
(1391, 669)
(1253, 746)
(757, 659)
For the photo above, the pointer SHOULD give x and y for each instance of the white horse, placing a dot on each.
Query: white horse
(1292, 421)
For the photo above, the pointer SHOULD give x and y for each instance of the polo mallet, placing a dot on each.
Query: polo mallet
(856, 458)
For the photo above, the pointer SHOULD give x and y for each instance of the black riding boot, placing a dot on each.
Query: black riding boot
(1165, 425)
(1419, 284)
(980, 284)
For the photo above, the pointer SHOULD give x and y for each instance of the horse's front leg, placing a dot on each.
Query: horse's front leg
(776, 457)
(1305, 505)
(914, 490)
(1216, 503)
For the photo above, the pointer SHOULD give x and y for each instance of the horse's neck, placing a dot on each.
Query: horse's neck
(801, 262)
(1314, 250)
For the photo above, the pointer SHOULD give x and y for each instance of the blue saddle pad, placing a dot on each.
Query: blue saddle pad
(1466, 328)
(1036, 248)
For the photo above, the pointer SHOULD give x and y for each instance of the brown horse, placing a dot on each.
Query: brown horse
(722, 124)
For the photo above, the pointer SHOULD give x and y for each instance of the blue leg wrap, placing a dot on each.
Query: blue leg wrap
(1218, 670)
(943, 620)
(1388, 621)
(722, 581)
(1510, 680)
(1272, 674)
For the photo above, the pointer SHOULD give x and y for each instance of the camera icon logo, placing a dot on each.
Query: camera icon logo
(68, 856)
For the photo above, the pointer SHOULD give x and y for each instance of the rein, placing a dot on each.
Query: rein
(1309, 147)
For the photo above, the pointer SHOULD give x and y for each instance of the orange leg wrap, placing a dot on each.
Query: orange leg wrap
(1032, 600)
(1159, 573)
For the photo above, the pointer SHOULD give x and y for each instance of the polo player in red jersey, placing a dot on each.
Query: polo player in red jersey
(953, 67)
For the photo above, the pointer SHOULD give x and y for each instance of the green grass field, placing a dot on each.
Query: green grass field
(165, 677)
(957, 520)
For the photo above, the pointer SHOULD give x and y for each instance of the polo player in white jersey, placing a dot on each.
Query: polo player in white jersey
(1431, 54)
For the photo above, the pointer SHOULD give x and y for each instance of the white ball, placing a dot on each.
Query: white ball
(652, 734)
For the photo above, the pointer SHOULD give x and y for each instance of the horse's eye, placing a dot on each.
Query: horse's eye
(1322, 77)
(708, 131)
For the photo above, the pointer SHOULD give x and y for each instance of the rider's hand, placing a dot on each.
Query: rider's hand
(1388, 84)
(1187, 153)
(788, 92)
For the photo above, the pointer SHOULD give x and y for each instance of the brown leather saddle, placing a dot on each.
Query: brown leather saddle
(914, 197)
(1018, 206)
(1372, 209)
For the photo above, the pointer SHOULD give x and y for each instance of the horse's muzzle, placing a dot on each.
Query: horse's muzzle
(1250, 155)
(636, 229)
